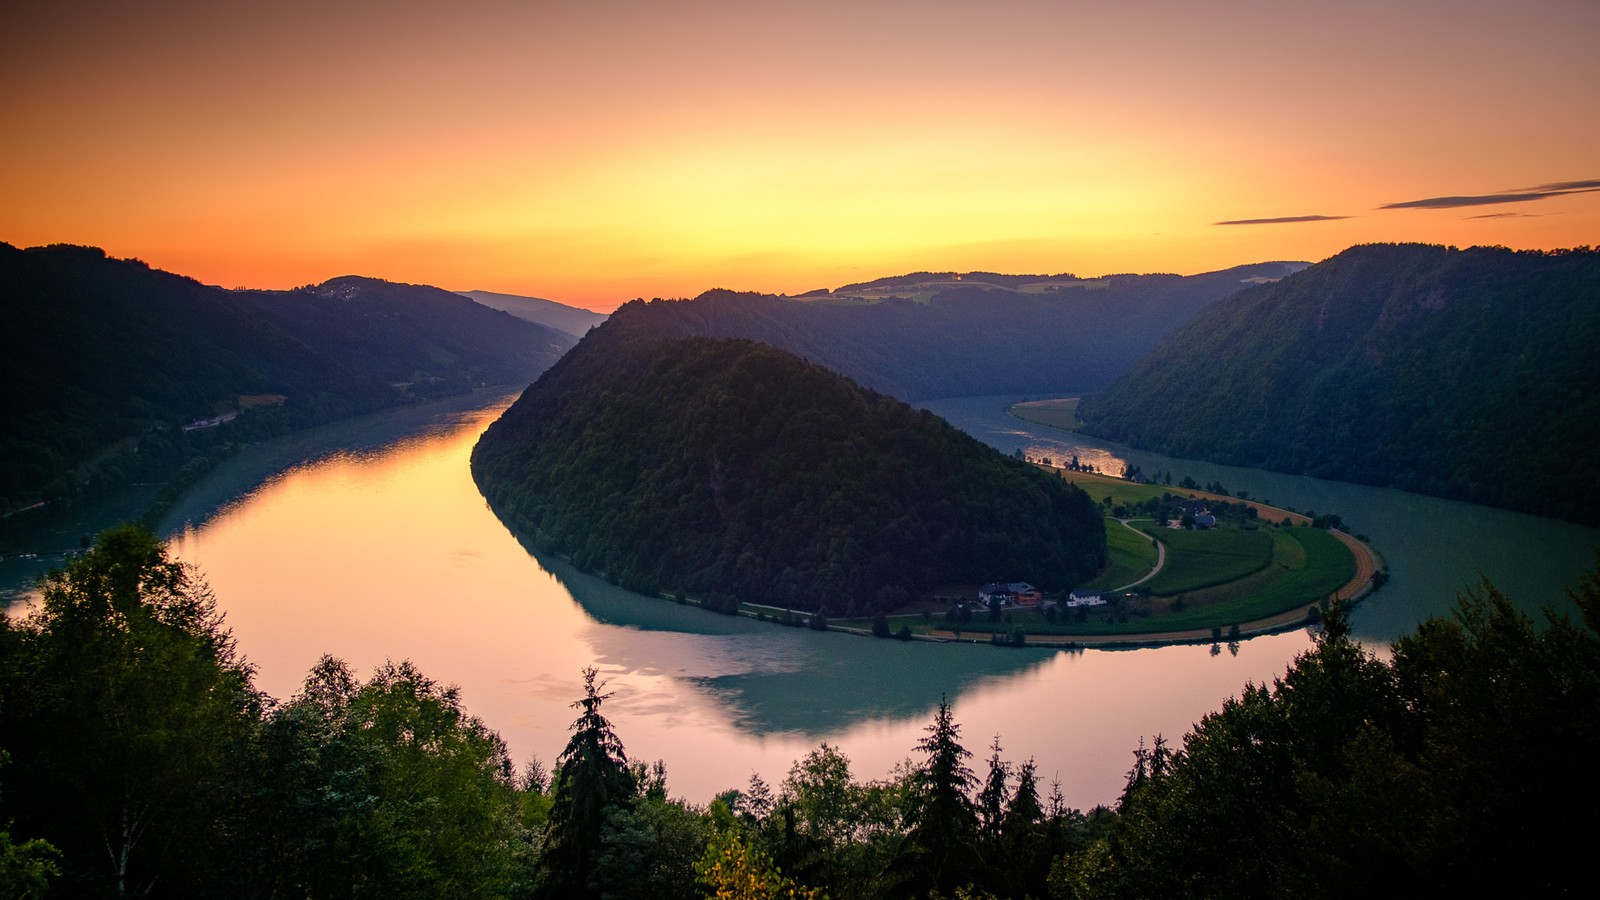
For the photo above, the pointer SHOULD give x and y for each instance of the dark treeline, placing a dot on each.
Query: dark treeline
(727, 468)
(140, 759)
(1468, 374)
(105, 361)
(970, 339)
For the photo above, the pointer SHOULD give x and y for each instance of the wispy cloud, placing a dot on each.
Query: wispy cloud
(1516, 195)
(1566, 186)
(1511, 215)
(1281, 220)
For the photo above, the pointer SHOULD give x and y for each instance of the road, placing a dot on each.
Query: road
(1161, 560)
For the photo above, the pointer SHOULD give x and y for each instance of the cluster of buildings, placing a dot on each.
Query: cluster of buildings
(1022, 595)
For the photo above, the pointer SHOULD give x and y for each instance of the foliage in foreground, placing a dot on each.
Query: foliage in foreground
(141, 760)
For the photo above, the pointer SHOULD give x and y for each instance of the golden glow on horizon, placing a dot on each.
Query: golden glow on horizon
(560, 154)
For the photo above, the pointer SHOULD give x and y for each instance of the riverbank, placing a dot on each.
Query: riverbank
(922, 625)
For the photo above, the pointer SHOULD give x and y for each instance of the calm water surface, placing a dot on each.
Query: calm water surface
(387, 551)
(1433, 548)
(391, 553)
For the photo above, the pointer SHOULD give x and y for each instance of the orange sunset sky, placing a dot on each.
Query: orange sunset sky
(593, 152)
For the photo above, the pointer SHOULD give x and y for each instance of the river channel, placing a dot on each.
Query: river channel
(369, 541)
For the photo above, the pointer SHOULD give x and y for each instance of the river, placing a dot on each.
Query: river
(368, 540)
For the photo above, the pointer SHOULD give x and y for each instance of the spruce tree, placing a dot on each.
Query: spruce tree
(944, 822)
(592, 778)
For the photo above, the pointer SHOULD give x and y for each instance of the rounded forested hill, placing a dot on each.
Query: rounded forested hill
(1470, 374)
(726, 468)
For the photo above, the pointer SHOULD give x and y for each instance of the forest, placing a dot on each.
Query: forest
(1466, 374)
(105, 362)
(731, 470)
(137, 757)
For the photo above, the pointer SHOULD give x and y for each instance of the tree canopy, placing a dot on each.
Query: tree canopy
(1467, 374)
(730, 468)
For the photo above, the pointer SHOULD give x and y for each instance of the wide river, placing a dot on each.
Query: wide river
(369, 541)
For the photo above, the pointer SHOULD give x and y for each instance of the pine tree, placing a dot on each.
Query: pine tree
(943, 820)
(992, 799)
(592, 778)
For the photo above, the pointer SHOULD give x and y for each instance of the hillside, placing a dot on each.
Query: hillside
(924, 336)
(432, 340)
(1468, 374)
(730, 468)
(568, 319)
(104, 361)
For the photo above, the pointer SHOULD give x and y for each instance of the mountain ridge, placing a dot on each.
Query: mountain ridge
(1467, 374)
(549, 313)
(967, 339)
(116, 370)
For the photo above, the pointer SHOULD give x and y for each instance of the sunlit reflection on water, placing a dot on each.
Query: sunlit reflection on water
(391, 553)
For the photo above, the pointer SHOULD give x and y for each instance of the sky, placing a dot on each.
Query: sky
(594, 152)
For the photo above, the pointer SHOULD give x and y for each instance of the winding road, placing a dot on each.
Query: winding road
(1161, 559)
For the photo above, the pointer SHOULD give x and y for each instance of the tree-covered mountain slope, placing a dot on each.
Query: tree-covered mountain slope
(1470, 374)
(924, 336)
(428, 338)
(728, 468)
(105, 362)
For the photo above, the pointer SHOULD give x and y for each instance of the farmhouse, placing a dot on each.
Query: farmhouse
(1075, 600)
(1013, 593)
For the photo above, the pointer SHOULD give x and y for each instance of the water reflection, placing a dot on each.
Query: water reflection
(392, 554)
(369, 541)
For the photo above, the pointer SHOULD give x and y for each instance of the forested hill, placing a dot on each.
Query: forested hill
(726, 468)
(426, 337)
(923, 336)
(1469, 374)
(104, 361)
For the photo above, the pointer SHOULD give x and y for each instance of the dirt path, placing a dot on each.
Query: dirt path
(1161, 559)
(1366, 567)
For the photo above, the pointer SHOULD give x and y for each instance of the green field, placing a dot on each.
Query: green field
(1306, 565)
(1226, 576)
(1132, 555)
(1058, 414)
(1202, 559)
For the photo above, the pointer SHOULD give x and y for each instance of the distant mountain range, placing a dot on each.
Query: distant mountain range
(924, 335)
(113, 369)
(424, 337)
(731, 469)
(1471, 374)
(569, 319)
(1461, 373)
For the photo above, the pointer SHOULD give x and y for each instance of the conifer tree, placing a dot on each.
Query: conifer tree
(592, 778)
(943, 819)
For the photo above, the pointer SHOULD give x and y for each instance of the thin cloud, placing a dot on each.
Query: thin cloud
(1505, 216)
(1520, 195)
(1281, 220)
(1568, 186)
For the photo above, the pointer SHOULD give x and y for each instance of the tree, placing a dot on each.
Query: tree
(386, 787)
(650, 848)
(942, 818)
(880, 626)
(592, 779)
(1025, 842)
(994, 794)
(127, 715)
(734, 870)
(26, 868)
